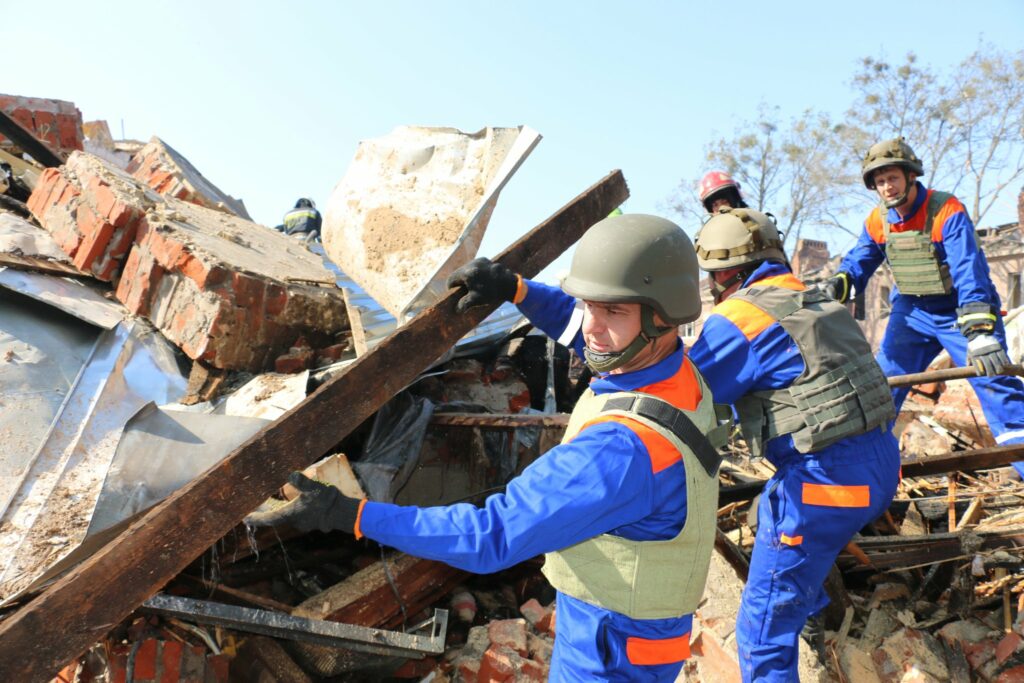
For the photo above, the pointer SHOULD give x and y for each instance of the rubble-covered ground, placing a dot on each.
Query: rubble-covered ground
(255, 321)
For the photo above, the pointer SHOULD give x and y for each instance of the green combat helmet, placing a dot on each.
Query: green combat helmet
(895, 152)
(636, 258)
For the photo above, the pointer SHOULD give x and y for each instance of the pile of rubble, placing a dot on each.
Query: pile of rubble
(174, 327)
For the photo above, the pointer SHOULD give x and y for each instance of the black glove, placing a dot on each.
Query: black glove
(986, 354)
(318, 506)
(487, 282)
(837, 287)
(977, 321)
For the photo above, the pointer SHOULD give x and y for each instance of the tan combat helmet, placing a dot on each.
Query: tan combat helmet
(736, 237)
(636, 258)
(895, 152)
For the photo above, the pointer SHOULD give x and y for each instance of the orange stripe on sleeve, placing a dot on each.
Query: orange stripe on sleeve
(663, 453)
(521, 289)
(359, 518)
(791, 540)
(751, 320)
(643, 652)
(952, 206)
(873, 225)
(833, 495)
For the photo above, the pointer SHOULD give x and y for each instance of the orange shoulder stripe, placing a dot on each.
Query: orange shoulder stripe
(751, 320)
(952, 206)
(645, 652)
(663, 454)
(873, 225)
(681, 389)
(784, 281)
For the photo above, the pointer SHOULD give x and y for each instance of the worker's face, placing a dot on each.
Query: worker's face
(891, 183)
(721, 276)
(609, 328)
(720, 203)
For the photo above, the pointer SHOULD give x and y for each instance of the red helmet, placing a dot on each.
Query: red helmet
(715, 183)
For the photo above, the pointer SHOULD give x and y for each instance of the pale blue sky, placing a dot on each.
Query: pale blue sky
(269, 100)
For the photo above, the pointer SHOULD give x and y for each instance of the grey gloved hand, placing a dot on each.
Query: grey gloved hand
(318, 506)
(487, 283)
(837, 287)
(986, 354)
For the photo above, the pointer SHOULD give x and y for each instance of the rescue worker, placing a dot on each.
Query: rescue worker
(944, 296)
(718, 190)
(303, 221)
(811, 399)
(625, 507)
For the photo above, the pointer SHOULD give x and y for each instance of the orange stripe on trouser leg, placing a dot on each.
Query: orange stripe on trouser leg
(836, 496)
(791, 540)
(643, 652)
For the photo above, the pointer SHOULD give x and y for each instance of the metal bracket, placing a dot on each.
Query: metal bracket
(316, 631)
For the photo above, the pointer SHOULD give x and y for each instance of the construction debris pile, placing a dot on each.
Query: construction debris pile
(148, 328)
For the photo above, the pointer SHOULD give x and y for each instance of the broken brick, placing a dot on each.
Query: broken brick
(532, 610)
(510, 633)
(1009, 644)
(499, 663)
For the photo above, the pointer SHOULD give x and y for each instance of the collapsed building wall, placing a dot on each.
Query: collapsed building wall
(56, 122)
(229, 292)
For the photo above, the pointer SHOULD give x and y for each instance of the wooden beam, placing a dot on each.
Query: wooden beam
(957, 461)
(28, 142)
(499, 420)
(375, 596)
(976, 459)
(732, 554)
(82, 606)
(947, 374)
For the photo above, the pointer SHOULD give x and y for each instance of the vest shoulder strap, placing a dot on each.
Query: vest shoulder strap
(674, 420)
(936, 201)
(777, 302)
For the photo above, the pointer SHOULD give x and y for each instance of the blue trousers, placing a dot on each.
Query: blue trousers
(593, 644)
(809, 511)
(914, 337)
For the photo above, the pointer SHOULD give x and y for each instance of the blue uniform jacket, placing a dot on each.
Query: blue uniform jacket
(741, 350)
(614, 476)
(952, 233)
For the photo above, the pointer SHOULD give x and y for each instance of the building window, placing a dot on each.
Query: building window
(884, 307)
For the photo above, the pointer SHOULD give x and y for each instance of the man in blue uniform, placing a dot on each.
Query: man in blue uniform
(812, 400)
(625, 507)
(944, 296)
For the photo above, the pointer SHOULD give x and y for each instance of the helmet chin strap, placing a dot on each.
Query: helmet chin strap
(719, 288)
(649, 331)
(893, 203)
